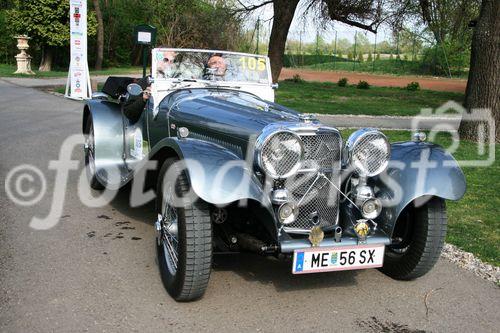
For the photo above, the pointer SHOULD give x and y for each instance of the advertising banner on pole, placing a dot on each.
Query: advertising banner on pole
(78, 83)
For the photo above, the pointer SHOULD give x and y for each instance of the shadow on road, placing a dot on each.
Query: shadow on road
(270, 270)
(145, 213)
(249, 266)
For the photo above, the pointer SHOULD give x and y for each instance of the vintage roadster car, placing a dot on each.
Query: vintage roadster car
(237, 172)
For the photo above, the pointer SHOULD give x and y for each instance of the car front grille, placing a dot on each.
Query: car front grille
(315, 195)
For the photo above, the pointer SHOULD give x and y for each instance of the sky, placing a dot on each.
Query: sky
(310, 29)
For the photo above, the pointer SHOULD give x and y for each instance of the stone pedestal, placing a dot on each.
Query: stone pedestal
(23, 59)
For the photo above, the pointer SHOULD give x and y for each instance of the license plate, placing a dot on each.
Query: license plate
(316, 260)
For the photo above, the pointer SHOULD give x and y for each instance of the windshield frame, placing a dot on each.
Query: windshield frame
(210, 82)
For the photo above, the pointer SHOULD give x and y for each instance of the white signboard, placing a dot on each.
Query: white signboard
(78, 83)
(144, 37)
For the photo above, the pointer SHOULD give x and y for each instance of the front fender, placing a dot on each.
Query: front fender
(417, 170)
(217, 175)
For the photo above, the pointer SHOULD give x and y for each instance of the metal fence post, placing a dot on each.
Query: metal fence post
(335, 52)
(354, 55)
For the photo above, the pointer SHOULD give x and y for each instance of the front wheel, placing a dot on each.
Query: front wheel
(418, 238)
(184, 236)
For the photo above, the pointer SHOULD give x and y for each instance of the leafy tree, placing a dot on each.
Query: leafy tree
(378, 56)
(47, 22)
(196, 23)
(343, 45)
(483, 85)
(120, 17)
(361, 57)
(362, 43)
(363, 14)
(385, 47)
(370, 58)
(100, 35)
(7, 43)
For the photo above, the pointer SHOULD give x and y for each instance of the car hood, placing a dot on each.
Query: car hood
(226, 114)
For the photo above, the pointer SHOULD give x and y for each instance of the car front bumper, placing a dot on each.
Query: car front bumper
(290, 245)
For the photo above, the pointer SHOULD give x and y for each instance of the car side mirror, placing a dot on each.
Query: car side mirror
(134, 89)
(275, 86)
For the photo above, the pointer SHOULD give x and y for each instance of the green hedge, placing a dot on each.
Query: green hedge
(294, 60)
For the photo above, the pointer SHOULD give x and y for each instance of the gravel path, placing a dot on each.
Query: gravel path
(469, 262)
(431, 83)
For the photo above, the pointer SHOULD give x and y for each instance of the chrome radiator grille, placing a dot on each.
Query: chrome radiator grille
(317, 197)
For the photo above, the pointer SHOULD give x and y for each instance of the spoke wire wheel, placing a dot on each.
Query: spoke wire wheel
(90, 168)
(184, 241)
(169, 230)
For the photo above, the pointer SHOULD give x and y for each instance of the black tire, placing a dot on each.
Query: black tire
(189, 280)
(90, 169)
(422, 231)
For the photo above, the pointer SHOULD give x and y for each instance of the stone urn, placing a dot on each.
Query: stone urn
(23, 59)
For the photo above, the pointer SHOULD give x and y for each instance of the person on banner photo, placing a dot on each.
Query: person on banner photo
(165, 64)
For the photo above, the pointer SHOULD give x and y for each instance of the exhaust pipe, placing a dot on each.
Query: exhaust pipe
(252, 244)
(338, 234)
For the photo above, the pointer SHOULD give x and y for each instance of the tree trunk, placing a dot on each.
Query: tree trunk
(47, 56)
(100, 35)
(483, 84)
(283, 16)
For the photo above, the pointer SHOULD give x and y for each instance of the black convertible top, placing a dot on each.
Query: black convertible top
(116, 85)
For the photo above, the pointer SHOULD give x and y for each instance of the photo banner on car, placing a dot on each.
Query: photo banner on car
(78, 83)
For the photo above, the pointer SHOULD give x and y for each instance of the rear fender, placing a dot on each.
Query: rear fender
(405, 180)
(108, 140)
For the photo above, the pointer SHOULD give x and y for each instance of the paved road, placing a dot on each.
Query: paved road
(89, 273)
(54, 82)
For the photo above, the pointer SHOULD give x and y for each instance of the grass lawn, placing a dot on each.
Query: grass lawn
(474, 221)
(8, 70)
(329, 98)
(387, 66)
(62, 90)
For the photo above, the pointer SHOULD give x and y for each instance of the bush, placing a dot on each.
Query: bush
(296, 79)
(363, 85)
(342, 82)
(413, 86)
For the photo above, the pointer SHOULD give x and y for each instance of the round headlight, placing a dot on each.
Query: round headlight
(371, 208)
(287, 213)
(281, 154)
(368, 152)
